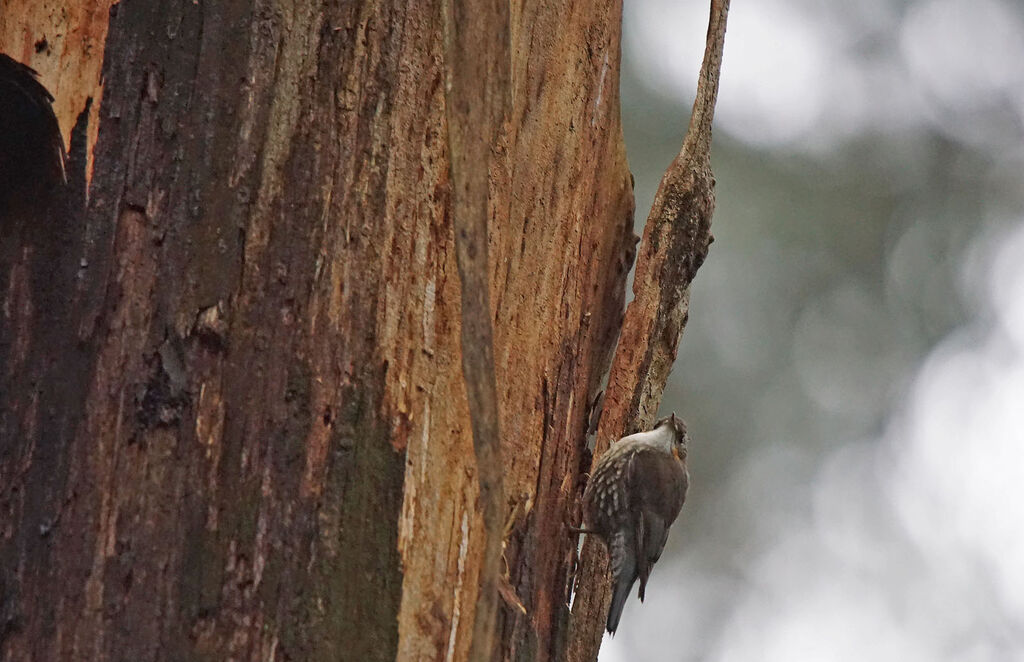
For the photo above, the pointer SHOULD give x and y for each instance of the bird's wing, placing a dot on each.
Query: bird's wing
(620, 552)
(643, 564)
(659, 489)
(651, 535)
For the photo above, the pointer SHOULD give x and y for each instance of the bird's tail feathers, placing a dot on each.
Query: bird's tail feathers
(623, 576)
(618, 602)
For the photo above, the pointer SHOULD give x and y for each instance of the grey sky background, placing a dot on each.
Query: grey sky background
(853, 369)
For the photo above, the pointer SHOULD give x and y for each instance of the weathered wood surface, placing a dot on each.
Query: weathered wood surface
(233, 421)
(477, 92)
(675, 242)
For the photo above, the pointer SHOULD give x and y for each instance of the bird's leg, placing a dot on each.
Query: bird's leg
(577, 530)
(572, 511)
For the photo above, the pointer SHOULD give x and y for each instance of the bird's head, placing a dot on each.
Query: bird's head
(680, 436)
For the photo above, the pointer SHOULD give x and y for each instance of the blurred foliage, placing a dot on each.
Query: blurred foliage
(841, 258)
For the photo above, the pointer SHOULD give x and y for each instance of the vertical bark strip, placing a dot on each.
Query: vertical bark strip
(560, 227)
(675, 242)
(476, 34)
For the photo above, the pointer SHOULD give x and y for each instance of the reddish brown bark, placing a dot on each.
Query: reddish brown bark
(234, 421)
(675, 242)
(476, 54)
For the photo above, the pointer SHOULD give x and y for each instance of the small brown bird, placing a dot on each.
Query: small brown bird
(634, 495)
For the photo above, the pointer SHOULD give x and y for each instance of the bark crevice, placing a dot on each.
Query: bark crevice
(477, 75)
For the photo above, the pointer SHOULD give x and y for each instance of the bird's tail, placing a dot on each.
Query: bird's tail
(623, 577)
(622, 588)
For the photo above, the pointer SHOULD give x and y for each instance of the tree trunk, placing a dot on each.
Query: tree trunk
(233, 417)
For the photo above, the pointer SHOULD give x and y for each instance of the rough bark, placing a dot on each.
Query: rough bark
(675, 242)
(476, 53)
(233, 422)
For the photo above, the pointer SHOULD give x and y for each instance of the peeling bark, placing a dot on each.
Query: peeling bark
(675, 242)
(476, 103)
(234, 420)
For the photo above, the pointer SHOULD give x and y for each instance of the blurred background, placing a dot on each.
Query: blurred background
(853, 368)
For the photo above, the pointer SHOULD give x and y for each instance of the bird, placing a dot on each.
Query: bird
(632, 498)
